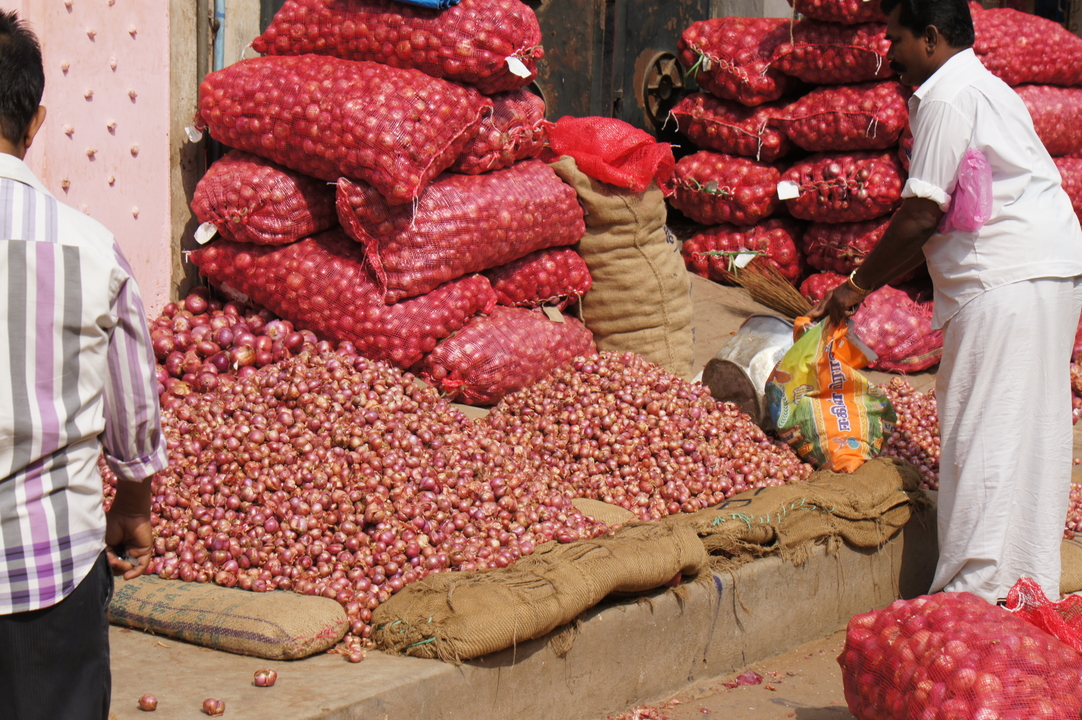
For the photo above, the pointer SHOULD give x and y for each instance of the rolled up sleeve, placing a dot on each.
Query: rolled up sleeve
(941, 136)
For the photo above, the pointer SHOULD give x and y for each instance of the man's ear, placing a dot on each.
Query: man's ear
(35, 124)
(931, 39)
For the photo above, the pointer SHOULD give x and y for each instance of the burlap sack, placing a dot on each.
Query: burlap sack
(641, 296)
(1070, 552)
(463, 615)
(603, 511)
(864, 509)
(274, 625)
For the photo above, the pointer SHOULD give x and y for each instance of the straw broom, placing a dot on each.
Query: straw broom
(764, 283)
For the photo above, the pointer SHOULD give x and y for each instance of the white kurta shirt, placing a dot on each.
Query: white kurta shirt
(1033, 231)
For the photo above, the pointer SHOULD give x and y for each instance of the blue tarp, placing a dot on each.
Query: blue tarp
(434, 4)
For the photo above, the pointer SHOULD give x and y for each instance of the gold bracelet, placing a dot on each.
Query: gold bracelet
(856, 288)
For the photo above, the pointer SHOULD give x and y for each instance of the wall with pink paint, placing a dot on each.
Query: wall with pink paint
(105, 145)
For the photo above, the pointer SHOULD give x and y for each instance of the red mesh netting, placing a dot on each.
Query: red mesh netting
(613, 152)
(848, 12)
(730, 127)
(507, 350)
(253, 200)
(331, 118)
(713, 188)
(1061, 620)
(846, 187)
(899, 329)
(730, 57)
(557, 276)
(515, 131)
(905, 147)
(815, 287)
(777, 238)
(1055, 112)
(955, 656)
(461, 224)
(866, 116)
(829, 54)
(321, 283)
(470, 42)
(1023, 48)
(842, 247)
(1070, 171)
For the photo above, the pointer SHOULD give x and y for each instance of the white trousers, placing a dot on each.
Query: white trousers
(1004, 399)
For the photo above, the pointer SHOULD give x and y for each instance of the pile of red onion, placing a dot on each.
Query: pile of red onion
(617, 428)
(916, 436)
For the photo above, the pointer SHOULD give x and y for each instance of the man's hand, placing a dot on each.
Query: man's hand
(840, 303)
(128, 528)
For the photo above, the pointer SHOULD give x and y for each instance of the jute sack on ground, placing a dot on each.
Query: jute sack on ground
(1071, 557)
(276, 625)
(864, 509)
(603, 511)
(641, 296)
(462, 615)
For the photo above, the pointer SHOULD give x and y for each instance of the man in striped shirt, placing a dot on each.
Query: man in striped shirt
(76, 378)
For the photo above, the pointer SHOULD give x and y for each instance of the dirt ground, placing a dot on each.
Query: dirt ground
(804, 684)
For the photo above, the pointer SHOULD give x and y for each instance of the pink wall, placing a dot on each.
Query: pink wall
(104, 147)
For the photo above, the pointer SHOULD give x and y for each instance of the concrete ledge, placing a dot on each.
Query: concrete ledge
(626, 653)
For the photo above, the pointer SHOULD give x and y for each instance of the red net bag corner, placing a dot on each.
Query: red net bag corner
(1062, 620)
(613, 151)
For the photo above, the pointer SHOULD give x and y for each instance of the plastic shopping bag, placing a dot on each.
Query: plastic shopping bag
(829, 413)
(971, 203)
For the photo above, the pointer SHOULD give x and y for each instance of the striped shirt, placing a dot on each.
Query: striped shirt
(76, 377)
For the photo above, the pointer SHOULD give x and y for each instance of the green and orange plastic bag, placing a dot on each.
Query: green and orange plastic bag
(826, 410)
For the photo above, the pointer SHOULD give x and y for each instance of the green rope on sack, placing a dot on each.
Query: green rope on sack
(732, 255)
(421, 642)
(693, 71)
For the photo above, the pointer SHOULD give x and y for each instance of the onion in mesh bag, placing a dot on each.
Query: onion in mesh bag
(776, 238)
(846, 187)
(830, 54)
(730, 57)
(730, 127)
(713, 188)
(557, 276)
(866, 116)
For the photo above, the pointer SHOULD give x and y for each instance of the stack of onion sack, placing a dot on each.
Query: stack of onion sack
(463, 224)
(321, 283)
(954, 655)
(617, 428)
(331, 474)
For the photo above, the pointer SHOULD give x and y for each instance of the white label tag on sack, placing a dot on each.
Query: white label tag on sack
(788, 190)
(742, 260)
(193, 133)
(553, 314)
(205, 233)
(517, 67)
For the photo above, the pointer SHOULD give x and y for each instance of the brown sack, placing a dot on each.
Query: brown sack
(864, 509)
(1071, 557)
(276, 625)
(641, 296)
(603, 512)
(462, 615)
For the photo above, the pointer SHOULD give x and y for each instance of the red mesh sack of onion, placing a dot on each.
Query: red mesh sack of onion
(1070, 171)
(507, 350)
(815, 287)
(730, 57)
(830, 54)
(330, 118)
(777, 239)
(461, 224)
(899, 329)
(1055, 112)
(730, 127)
(847, 12)
(842, 247)
(713, 188)
(493, 45)
(321, 283)
(955, 656)
(557, 276)
(866, 116)
(847, 187)
(249, 199)
(1023, 48)
(515, 131)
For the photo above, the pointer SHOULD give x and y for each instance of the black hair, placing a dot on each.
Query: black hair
(951, 17)
(22, 76)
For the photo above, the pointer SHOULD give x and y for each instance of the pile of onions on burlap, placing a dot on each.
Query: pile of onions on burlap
(334, 475)
(617, 428)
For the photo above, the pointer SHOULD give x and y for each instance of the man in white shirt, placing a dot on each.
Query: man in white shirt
(1007, 296)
